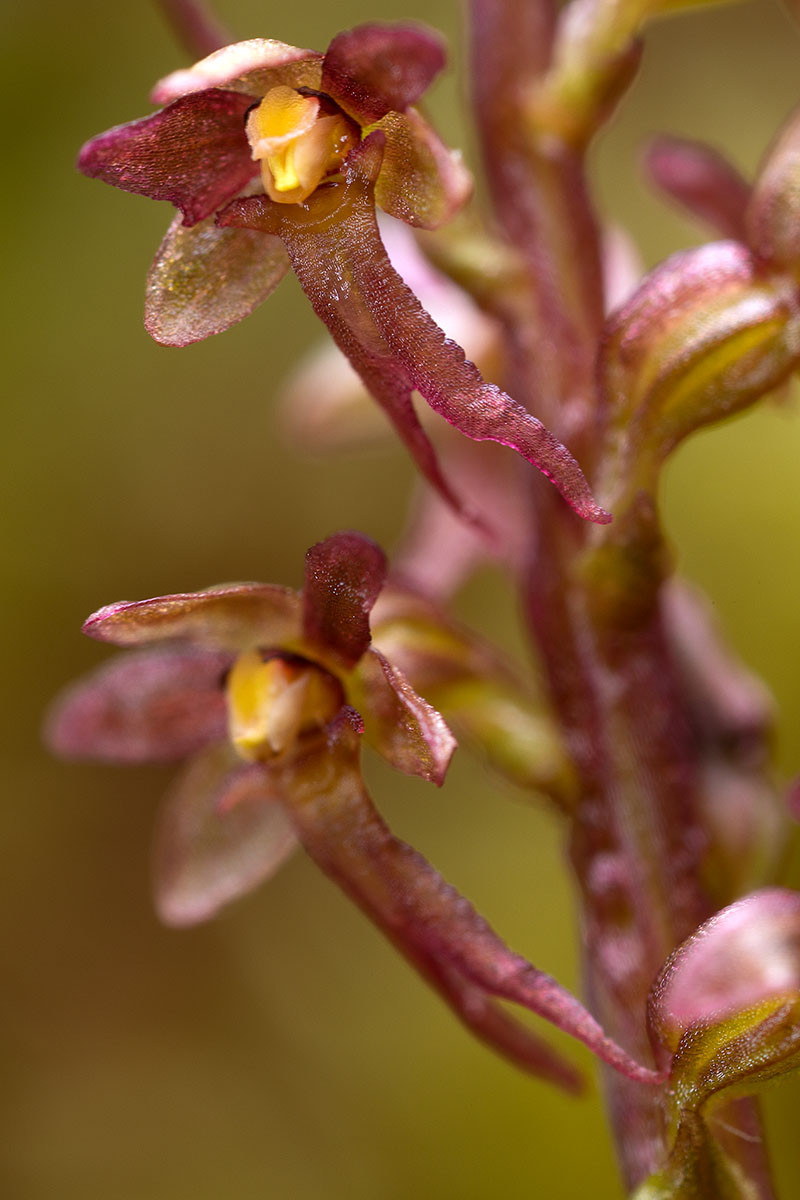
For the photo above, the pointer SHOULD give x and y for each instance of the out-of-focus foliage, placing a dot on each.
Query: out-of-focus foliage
(283, 1051)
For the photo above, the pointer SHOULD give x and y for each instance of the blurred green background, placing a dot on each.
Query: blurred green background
(283, 1051)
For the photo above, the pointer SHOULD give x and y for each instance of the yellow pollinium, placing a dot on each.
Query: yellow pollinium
(297, 147)
(270, 704)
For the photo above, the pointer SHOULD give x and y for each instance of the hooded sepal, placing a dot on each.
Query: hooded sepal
(251, 67)
(337, 253)
(221, 834)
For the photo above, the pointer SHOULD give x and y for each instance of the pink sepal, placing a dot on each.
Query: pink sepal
(154, 705)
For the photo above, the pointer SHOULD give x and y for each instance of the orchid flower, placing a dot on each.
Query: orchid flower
(261, 138)
(268, 692)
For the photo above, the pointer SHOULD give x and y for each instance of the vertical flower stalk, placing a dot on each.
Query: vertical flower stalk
(596, 605)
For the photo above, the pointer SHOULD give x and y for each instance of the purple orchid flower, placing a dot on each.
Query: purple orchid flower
(268, 692)
(277, 156)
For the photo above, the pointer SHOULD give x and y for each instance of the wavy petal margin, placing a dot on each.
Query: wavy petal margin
(220, 835)
(343, 577)
(235, 617)
(251, 67)
(338, 255)
(338, 825)
(194, 153)
(375, 68)
(151, 706)
(205, 279)
(701, 181)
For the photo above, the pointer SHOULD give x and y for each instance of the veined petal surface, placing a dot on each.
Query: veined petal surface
(194, 153)
(234, 617)
(220, 835)
(375, 68)
(251, 67)
(205, 279)
(154, 705)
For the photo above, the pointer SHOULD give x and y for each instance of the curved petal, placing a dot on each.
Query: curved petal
(234, 617)
(251, 67)
(421, 181)
(343, 577)
(220, 835)
(194, 154)
(205, 279)
(398, 723)
(337, 253)
(700, 180)
(150, 706)
(375, 68)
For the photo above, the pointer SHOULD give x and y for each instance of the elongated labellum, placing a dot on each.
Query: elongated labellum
(400, 891)
(337, 253)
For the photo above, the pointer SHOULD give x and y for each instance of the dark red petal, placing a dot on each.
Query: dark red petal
(407, 731)
(337, 253)
(343, 577)
(147, 706)
(220, 835)
(194, 153)
(205, 279)
(235, 617)
(700, 180)
(373, 69)
(425, 916)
